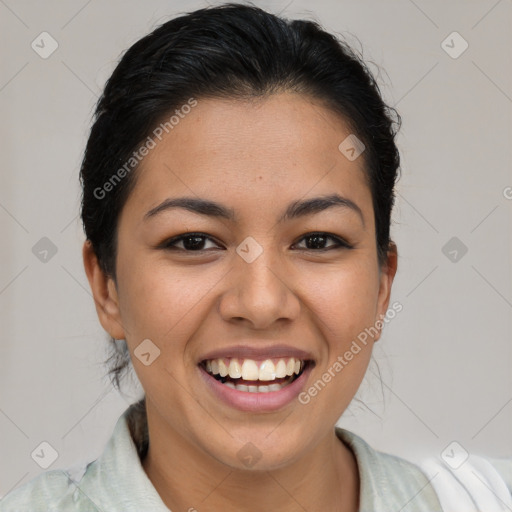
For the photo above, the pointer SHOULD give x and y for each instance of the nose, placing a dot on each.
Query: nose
(259, 293)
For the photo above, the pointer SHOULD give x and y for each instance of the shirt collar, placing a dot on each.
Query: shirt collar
(130, 489)
(388, 482)
(117, 480)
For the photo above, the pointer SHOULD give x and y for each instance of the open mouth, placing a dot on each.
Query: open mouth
(254, 376)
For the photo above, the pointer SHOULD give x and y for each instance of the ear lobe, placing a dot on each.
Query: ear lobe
(387, 275)
(104, 293)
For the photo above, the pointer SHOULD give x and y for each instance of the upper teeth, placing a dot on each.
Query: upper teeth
(248, 369)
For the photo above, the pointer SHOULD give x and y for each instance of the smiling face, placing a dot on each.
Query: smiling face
(269, 274)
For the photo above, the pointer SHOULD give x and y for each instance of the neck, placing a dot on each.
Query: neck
(187, 479)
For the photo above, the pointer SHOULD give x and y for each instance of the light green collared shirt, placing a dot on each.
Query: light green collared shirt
(117, 482)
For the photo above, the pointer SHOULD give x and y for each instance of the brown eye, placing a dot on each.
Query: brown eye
(190, 242)
(318, 241)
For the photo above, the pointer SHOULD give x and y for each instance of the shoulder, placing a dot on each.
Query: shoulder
(114, 481)
(50, 491)
(388, 481)
(72, 489)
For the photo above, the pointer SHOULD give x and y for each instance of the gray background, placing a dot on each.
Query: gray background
(445, 360)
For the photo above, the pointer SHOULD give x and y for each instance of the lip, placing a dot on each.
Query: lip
(259, 353)
(255, 402)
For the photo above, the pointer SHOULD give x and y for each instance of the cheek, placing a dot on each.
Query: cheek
(162, 302)
(345, 301)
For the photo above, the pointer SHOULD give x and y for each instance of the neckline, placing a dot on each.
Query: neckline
(136, 421)
(372, 466)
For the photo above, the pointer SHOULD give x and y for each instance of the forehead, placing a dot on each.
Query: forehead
(252, 152)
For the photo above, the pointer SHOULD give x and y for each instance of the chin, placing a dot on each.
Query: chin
(256, 450)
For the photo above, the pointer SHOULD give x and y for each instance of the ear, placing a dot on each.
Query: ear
(387, 274)
(104, 292)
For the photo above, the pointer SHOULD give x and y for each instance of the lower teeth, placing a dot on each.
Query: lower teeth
(255, 389)
(258, 388)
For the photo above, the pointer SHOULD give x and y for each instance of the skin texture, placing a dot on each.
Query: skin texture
(255, 157)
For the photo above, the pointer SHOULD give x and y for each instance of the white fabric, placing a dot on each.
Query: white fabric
(473, 487)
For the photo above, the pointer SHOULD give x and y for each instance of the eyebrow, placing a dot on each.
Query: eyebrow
(296, 209)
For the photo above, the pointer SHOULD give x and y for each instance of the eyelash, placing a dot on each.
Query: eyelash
(340, 243)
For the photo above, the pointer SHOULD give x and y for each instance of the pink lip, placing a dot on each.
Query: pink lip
(255, 402)
(258, 353)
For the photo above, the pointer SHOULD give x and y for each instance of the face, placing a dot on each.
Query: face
(270, 282)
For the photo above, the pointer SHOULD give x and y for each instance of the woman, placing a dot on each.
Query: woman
(238, 184)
